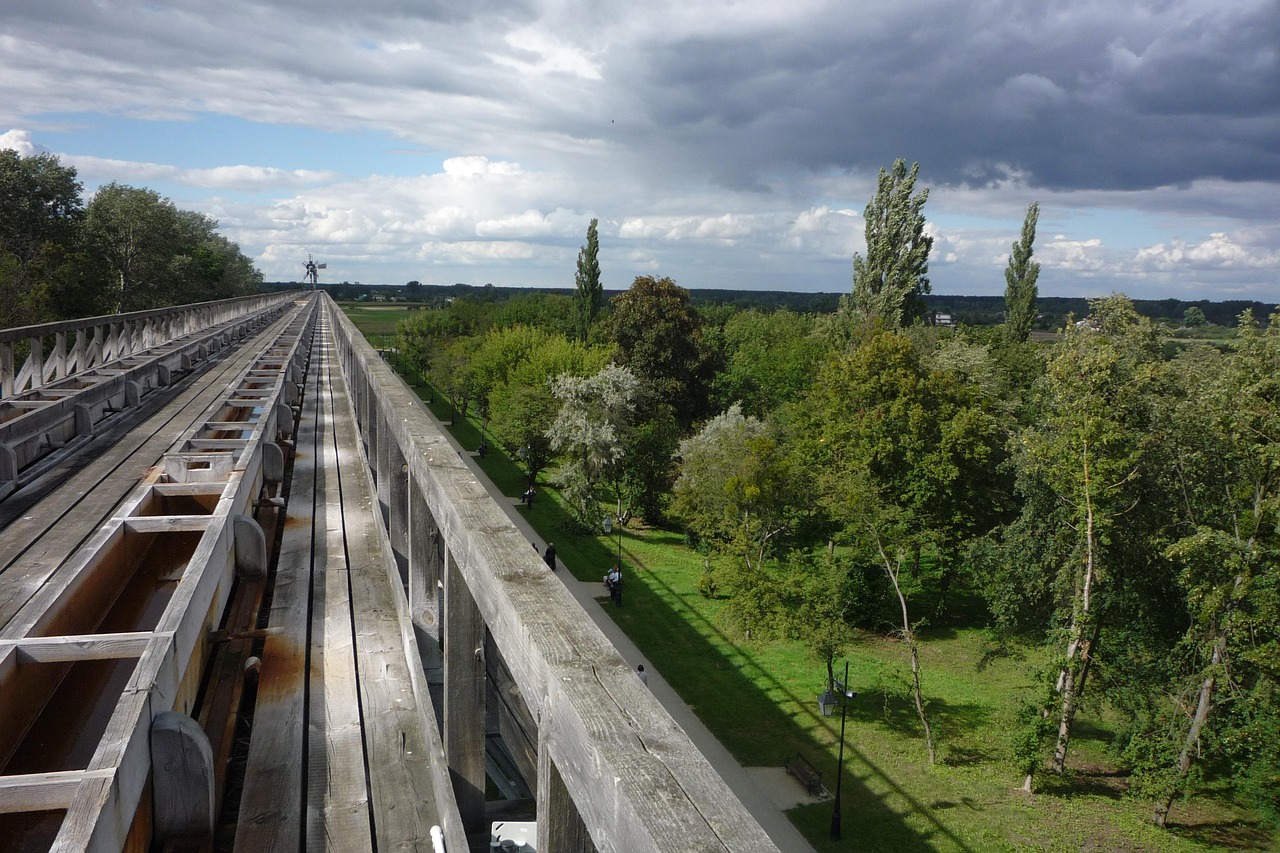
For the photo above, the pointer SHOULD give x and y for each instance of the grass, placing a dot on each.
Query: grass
(760, 700)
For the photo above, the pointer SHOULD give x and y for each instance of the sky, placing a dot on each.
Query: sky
(724, 143)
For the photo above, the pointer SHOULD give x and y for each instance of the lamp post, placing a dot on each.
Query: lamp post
(845, 695)
(608, 525)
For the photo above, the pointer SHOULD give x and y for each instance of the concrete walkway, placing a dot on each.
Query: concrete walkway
(764, 791)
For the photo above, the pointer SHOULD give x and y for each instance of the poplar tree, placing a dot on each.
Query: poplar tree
(890, 283)
(590, 293)
(1020, 276)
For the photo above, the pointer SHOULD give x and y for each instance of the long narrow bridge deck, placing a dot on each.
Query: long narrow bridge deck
(221, 599)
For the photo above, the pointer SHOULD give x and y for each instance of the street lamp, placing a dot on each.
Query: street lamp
(825, 701)
(608, 528)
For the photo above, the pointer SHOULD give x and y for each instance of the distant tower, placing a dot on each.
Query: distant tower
(313, 271)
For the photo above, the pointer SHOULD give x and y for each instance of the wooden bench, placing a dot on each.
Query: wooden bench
(808, 775)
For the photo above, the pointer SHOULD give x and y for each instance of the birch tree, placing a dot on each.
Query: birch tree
(1227, 466)
(1088, 451)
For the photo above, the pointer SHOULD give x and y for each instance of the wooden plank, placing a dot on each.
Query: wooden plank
(35, 792)
(80, 647)
(404, 797)
(270, 815)
(167, 523)
(337, 791)
(33, 548)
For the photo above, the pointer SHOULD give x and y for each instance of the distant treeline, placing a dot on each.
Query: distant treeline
(969, 310)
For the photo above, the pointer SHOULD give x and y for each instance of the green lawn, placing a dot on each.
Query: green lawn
(760, 700)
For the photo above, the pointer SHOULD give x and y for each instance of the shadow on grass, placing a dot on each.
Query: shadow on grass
(718, 688)
(1226, 835)
(896, 712)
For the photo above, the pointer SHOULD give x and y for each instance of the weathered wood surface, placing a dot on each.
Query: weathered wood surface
(340, 756)
(633, 775)
(337, 790)
(155, 638)
(271, 816)
(405, 783)
(35, 544)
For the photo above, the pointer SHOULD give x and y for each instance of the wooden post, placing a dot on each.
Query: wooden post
(560, 827)
(181, 778)
(464, 698)
(398, 506)
(424, 563)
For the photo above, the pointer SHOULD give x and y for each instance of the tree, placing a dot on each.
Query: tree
(1020, 276)
(1227, 464)
(205, 265)
(588, 430)
(890, 283)
(40, 215)
(895, 446)
(589, 295)
(422, 337)
(1089, 451)
(735, 485)
(497, 352)
(1193, 317)
(450, 371)
(136, 232)
(771, 359)
(658, 336)
(550, 312)
(522, 407)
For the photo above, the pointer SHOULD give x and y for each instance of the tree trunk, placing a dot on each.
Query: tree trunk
(909, 636)
(1086, 658)
(1193, 733)
(1077, 647)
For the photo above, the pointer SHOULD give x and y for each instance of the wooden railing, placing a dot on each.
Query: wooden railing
(55, 351)
(611, 770)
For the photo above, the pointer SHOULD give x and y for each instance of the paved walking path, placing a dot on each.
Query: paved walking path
(765, 791)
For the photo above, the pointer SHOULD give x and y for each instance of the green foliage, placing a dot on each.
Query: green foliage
(1031, 732)
(648, 469)
(890, 283)
(1020, 276)
(521, 406)
(549, 312)
(659, 337)
(588, 295)
(771, 359)
(129, 249)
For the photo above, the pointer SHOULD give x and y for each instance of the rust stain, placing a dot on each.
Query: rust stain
(284, 667)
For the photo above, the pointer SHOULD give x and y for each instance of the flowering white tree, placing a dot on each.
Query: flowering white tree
(588, 431)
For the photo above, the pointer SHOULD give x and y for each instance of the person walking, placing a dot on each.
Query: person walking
(644, 676)
(550, 556)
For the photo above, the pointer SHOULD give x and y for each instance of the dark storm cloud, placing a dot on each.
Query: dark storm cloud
(1082, 96)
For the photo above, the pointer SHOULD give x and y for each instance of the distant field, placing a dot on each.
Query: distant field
(376, 320)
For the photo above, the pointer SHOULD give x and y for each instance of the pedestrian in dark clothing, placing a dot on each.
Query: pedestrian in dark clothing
(550, 556)
(527, 497)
